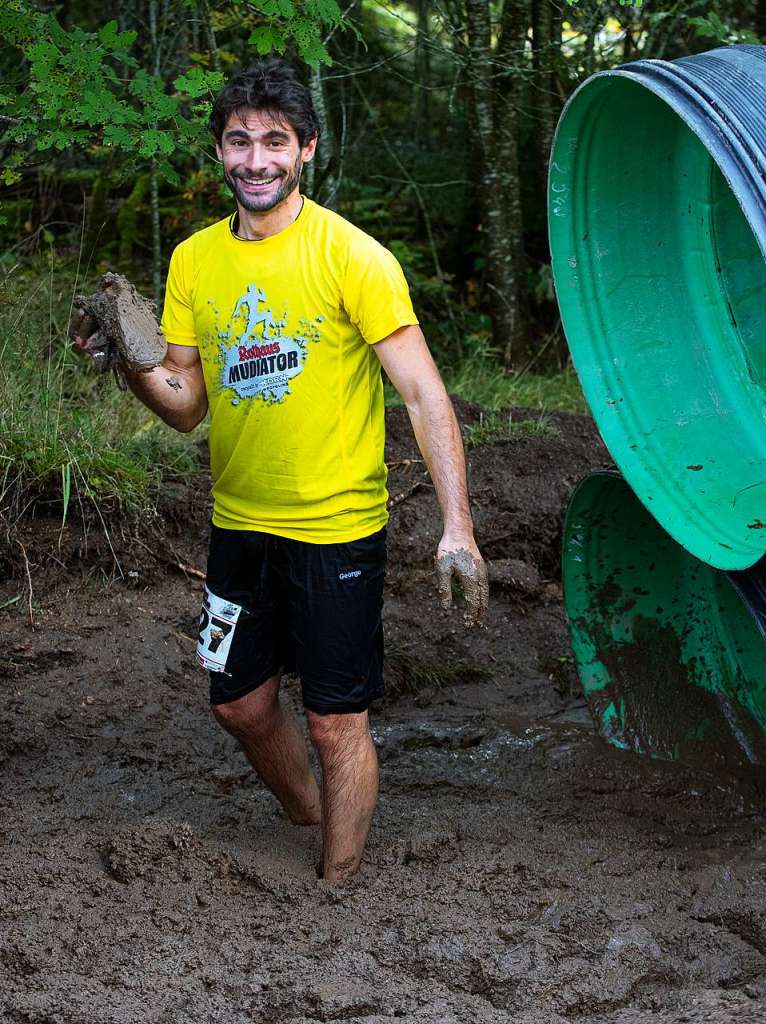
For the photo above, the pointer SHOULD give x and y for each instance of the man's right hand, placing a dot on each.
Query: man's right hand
(88, 339)
(117, 327)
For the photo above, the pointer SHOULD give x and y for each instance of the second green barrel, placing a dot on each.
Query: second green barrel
(670, 651)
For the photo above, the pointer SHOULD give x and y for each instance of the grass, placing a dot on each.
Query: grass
(495, 427)
(408, 673)
(69, 439)
(481, 379)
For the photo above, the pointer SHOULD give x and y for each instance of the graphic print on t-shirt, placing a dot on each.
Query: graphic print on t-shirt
(258, 358)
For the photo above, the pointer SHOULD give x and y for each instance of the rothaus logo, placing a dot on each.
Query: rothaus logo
(258, 358)
(354, 574)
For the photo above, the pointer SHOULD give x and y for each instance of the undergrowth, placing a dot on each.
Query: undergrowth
(408, 673)
(494, 427)
(480, 378)
(70, 441)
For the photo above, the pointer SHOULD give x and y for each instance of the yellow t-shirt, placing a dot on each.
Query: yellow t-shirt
(284, 328)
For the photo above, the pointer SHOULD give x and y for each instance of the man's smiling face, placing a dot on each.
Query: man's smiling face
(262, 159)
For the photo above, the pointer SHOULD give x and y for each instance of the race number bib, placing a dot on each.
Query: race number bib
(217, 622)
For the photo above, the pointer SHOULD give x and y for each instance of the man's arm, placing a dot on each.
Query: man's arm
(406, 359)
(175, 390)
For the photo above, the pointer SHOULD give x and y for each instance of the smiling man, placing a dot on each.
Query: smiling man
(278, 320)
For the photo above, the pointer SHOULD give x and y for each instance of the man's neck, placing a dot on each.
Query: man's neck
(256, 226)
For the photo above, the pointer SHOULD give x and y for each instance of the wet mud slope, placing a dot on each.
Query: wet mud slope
(517, 871)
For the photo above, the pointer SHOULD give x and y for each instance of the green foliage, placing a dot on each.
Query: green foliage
(711, 26)
(303, 21)
(497, 427)
(74, 94)
(69, 439)
(74, 91)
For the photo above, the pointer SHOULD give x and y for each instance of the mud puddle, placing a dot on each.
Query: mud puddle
(517, 871)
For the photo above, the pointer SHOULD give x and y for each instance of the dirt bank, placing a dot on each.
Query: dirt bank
(517, 871)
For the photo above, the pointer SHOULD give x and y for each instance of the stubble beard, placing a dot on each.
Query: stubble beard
(255, 205)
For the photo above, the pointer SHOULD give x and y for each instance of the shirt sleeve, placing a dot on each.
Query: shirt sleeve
(376, 295)
(177, 314)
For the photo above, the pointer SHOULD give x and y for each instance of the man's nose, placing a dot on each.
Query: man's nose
(256, 158)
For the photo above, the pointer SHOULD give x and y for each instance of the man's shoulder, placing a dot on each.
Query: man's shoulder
(342, 232)
(201, 239)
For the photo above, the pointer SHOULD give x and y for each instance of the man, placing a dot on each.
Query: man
(278, 320)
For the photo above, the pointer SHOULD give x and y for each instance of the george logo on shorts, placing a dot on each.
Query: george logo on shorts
(350, 575)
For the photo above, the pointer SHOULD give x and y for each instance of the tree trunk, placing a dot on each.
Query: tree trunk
(212, 43)
(759, 22)
(499, 198)
(422, 98)
(543, 55)
(508, 101)
(322, 181)
(154, 187)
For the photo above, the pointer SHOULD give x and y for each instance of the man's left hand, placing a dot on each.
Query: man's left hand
(461, 558)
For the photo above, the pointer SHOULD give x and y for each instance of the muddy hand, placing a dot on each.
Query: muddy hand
(471, 572)
(85, 334)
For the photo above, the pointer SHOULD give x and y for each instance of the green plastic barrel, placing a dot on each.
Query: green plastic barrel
(670, 651)
(657, 217)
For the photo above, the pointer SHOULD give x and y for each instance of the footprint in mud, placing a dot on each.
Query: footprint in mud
(149, 851)
(168, 851)
(439, 847)
(161, 851)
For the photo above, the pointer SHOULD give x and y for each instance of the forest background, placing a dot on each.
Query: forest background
(437, 120)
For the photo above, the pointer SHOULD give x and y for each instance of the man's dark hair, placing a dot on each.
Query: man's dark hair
(272, 86)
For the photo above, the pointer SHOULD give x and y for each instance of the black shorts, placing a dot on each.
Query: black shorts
(274, 604)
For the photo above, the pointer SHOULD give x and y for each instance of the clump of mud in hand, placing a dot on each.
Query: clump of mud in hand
(472, 574)
(118, 326)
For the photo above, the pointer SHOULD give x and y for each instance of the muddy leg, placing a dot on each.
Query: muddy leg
(349, 789)
(269, 735)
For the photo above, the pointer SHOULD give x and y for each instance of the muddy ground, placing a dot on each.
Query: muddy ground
(518, 870)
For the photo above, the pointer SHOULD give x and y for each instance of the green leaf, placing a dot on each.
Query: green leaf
(108, 33)
(111, 36)
(119, 136)
(154, 141)
(197, 82)
(326, 11)
(167, 172)
(43, 57)
(267, 38)
(9, 176)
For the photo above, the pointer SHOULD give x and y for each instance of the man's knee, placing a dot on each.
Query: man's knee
(330, 732)
(252, 715)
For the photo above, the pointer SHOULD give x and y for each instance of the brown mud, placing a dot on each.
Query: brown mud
(126, 326)
(471, 574)
(518, 869)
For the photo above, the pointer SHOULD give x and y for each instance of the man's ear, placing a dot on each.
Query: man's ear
(219, 152)
(307, 153)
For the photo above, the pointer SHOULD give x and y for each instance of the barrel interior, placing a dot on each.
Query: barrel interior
(660, 281)
(669, 654)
